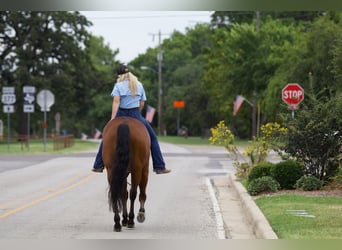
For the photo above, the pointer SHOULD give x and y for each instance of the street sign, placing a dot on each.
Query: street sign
(28, 108)
(29, 98)
(8, 90)
(8, 98)
(178, 104)
(292, 94)
(8, 95)
(8, 109)
(45, 99)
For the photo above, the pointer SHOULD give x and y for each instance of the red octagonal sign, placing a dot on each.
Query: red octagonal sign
(292, 94)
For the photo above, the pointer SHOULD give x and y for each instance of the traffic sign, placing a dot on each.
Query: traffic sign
(292, 94)
(29, 98)
(8, 90)
(8, 95)
(178, 104)
(29, 89)
(45, 99)
(8, 98)
(8, 109)
(28, 108)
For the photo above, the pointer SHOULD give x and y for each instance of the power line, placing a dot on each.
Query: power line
(139, 17)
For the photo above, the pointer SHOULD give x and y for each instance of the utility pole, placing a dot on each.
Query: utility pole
(255, 123)
(160, 84)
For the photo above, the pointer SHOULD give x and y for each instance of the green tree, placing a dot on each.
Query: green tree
(102, 81)
(241, 63)
(45, 50)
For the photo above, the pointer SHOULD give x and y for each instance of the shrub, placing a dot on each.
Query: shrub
(314, 137)
(309, 183)
(263, 184)
(336, 181)
(260, 170)
(287, 173)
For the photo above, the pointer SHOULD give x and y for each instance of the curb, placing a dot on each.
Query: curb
(255, 217)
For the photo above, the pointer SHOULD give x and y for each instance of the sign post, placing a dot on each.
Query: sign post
(29, 98)
(293, 95)
(45, 99)
(8, 99)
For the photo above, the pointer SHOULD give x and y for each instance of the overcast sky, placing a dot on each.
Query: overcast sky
(133, 32)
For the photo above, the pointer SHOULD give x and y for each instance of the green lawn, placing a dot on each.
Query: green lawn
(303, 217)
(181, 140)
(37, 146)
(192, 140)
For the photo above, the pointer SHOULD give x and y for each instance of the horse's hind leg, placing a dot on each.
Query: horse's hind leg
(133, 196)
(142, 198)
(117, 225)
(124, 206)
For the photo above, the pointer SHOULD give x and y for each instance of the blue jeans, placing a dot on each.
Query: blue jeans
(157, 157)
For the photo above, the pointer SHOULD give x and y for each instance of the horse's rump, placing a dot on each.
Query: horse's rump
(139, 141)
(126, 149)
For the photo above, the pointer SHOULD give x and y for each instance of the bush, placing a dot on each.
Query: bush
(263, 184)
(309, 183)
(260, 170)
(314, 137)
(287, 173)
(336, 181)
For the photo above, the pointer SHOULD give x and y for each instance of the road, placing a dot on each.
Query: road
(58, 197)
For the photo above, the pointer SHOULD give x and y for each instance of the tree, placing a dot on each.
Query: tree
(42, 49)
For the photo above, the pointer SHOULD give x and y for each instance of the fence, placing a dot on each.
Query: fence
(63, 141)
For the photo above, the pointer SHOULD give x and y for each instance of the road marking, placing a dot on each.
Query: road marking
(46, 197)
(218, 215)
(38, 193)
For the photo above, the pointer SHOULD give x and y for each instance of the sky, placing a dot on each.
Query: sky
(133, 32)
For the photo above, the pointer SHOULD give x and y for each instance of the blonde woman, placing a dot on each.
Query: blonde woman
(128, 100)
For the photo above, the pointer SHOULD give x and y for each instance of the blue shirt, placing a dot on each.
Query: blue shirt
(127, 101)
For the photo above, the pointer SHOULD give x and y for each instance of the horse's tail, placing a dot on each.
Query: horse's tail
(120, 166)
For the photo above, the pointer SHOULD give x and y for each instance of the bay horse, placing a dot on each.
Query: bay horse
(126, 150)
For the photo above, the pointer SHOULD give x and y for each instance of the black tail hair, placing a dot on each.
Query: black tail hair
(120, 166)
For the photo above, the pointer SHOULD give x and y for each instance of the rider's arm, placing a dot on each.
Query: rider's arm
(142, 103)
(115, 106)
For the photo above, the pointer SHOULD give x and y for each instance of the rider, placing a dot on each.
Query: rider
(129, 99)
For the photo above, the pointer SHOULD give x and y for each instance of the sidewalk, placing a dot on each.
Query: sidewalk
(242, 217)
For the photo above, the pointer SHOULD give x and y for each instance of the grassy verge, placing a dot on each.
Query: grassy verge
(192, 140)
(303, 217)
(182, 140)
(37, 146)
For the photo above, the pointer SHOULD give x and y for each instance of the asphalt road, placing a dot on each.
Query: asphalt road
(58, 197)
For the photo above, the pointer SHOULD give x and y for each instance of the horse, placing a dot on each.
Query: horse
(126, 150)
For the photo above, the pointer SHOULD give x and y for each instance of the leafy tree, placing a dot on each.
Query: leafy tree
(241, 63)
(45, 50)
(102, 59)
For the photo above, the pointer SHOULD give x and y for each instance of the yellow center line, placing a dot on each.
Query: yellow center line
(55, 186)
(46, 197)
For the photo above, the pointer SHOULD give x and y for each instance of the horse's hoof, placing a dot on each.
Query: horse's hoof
(141, 217)
(130, 226)
(117, 229)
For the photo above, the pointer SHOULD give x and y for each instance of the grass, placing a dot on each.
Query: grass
(37, 147)
(193, 140)
(326, 223)
(181, 140)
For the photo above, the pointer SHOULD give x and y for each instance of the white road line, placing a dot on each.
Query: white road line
(218, 216)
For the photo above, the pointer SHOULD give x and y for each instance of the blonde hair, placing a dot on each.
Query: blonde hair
(132, 79)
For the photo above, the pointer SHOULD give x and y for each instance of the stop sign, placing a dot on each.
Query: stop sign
(292, 94)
